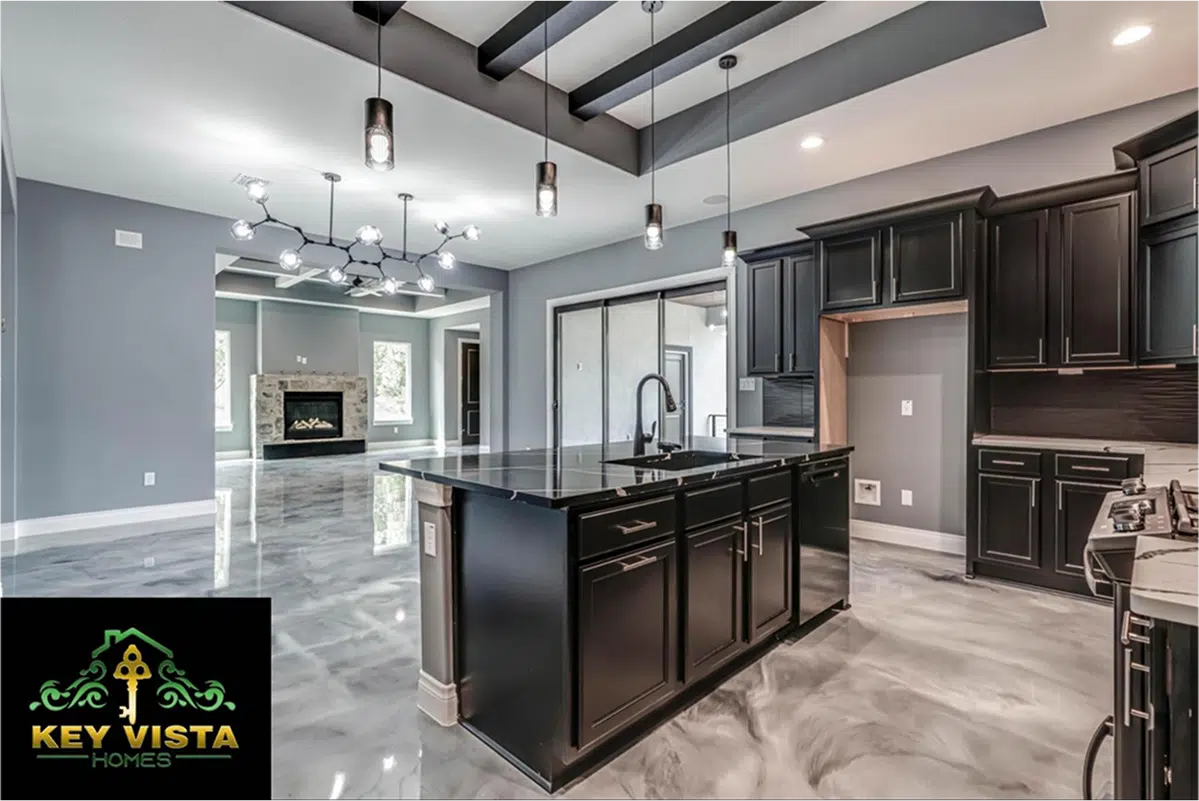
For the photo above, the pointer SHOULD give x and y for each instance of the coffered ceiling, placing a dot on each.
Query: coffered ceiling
(168, 102)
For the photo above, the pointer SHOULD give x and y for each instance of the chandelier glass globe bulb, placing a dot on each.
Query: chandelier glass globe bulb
(290, 259)
(257, 191)
(337, 275)
(369, 235)
(242, 231)
(390, 285)
(442, 227)
(426, 283)
(446, 260)
(472, 233)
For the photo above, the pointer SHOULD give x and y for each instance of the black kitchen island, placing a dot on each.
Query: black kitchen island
(586, 600)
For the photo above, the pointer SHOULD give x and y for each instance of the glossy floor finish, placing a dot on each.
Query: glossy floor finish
(929, 687)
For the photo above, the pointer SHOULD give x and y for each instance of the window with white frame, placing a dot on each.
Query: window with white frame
(393, 391)
(224, 388)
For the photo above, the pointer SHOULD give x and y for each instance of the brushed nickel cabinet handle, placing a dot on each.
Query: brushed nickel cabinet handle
(1032, 492)
(1194, 193)
(1129, 711)
(1090, 469)
(1067, 354)
(1040, 349)
(1059, 496)
(1010, 462)
(635, 526)
(1194, 340)
(642, 562)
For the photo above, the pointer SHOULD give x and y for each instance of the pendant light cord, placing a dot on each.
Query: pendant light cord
(653, 149)
(545, 30)
(728, 157)
(379, 49)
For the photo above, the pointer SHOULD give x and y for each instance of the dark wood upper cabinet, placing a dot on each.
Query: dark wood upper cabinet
(1167, 286)
(1009, 521)
(1017, 277)
(801, 324)
(926, 259)
(1095, 281)
(850, 271)
(770, 570)
(714, 619)
(765, 324)
(628, 638)
(1168, 184)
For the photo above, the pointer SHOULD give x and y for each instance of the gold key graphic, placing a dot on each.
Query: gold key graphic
(132, 670)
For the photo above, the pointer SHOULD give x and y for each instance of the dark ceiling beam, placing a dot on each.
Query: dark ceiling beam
(920, 39)
(706, 39)
(380, 11)
(521, 40)
(428, 56)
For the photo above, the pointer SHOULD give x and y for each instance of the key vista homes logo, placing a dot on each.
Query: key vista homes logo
(135, 746)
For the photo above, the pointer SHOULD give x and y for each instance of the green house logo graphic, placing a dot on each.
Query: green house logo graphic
(98, 684)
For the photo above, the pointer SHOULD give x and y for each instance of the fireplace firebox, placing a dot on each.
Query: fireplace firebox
(311, 415)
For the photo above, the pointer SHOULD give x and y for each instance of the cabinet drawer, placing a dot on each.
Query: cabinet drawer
(704, 506)
(1093, 467)
(769, 489)
(1022, 462)
(613, 529)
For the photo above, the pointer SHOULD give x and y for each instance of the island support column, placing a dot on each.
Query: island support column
(437, 690)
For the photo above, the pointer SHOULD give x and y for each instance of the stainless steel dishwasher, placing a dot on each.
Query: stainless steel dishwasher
(823, 538)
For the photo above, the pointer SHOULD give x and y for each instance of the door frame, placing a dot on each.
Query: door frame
(458, 389)
(688, 354)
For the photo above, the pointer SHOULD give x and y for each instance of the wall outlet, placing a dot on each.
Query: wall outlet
(905, 408)
(748, 384)
(304, 360)
(430, 538)
(148, 479)
(128, 239)
(299, 359)
(395, 429)
(905, 497)
(867, 491)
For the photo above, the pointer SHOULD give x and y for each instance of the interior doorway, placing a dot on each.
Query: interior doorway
(469, 415)
(676, 424)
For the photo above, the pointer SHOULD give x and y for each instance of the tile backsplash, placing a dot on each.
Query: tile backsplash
(789, 402)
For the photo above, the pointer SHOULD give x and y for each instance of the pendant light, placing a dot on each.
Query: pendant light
(654, 237)
(729, 238)
(547, 171)
(380, 136)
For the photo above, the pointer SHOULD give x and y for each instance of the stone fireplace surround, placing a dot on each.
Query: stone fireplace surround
(266, 407)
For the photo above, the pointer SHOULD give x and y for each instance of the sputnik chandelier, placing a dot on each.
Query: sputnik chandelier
(367, 236)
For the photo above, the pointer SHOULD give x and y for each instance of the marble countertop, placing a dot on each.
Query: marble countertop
(584, 474)
(1165, 579)
(784, 432)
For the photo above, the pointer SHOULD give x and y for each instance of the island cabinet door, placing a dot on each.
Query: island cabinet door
(770, 537)
(1009, 520)
(714, 592)
(628, 638)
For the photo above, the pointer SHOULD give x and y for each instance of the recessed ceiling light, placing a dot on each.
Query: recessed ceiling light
(812, 141)
(1133, 34)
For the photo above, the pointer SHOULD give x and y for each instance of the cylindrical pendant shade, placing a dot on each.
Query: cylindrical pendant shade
(547, 189)
(379, 137)
(654, 232)
(729, 253)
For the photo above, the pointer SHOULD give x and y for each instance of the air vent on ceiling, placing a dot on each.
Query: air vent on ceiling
(242, 179)
(128, 239)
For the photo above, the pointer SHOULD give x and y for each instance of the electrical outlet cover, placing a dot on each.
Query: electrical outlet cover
(905, 497)
(148, 479)
(905, 408)
(430, 537)
(748, 384)
(867, 491)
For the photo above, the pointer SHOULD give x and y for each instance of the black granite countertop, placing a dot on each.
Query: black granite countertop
(581, 474)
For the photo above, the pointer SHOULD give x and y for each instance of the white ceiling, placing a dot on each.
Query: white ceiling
(157, 115)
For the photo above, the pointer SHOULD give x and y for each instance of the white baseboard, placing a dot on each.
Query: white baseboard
(223, 456)
(111, 517)
(438, 701)
(399, 444)
(911, 537)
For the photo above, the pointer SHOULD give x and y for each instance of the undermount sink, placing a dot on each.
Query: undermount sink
(677, 460)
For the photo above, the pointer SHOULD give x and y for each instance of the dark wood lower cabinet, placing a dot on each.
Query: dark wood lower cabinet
(716, 607)
(1077, 503)
(1009, 523)
(770, 558)
(628, 639)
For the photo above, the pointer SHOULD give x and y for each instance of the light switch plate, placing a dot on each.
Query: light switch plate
(905, 408)
(148, 479)
(430, 538)
(905, 497)
(748, 384)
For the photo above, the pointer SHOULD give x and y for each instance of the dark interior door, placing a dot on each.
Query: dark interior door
(715, 567)
(628, 640)
(1096, 245)
(469, 414)
(1017, 314)
(1169, 283)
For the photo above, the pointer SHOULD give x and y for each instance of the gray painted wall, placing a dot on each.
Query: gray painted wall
(114, 353)
(240, 319)
(389, 328)
(327, 338)
(921, 359)
(1055, 155)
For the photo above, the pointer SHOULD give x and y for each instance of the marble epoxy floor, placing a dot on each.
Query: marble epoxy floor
(930, 686)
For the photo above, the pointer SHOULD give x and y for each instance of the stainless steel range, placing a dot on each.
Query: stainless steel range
(1153, 663)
